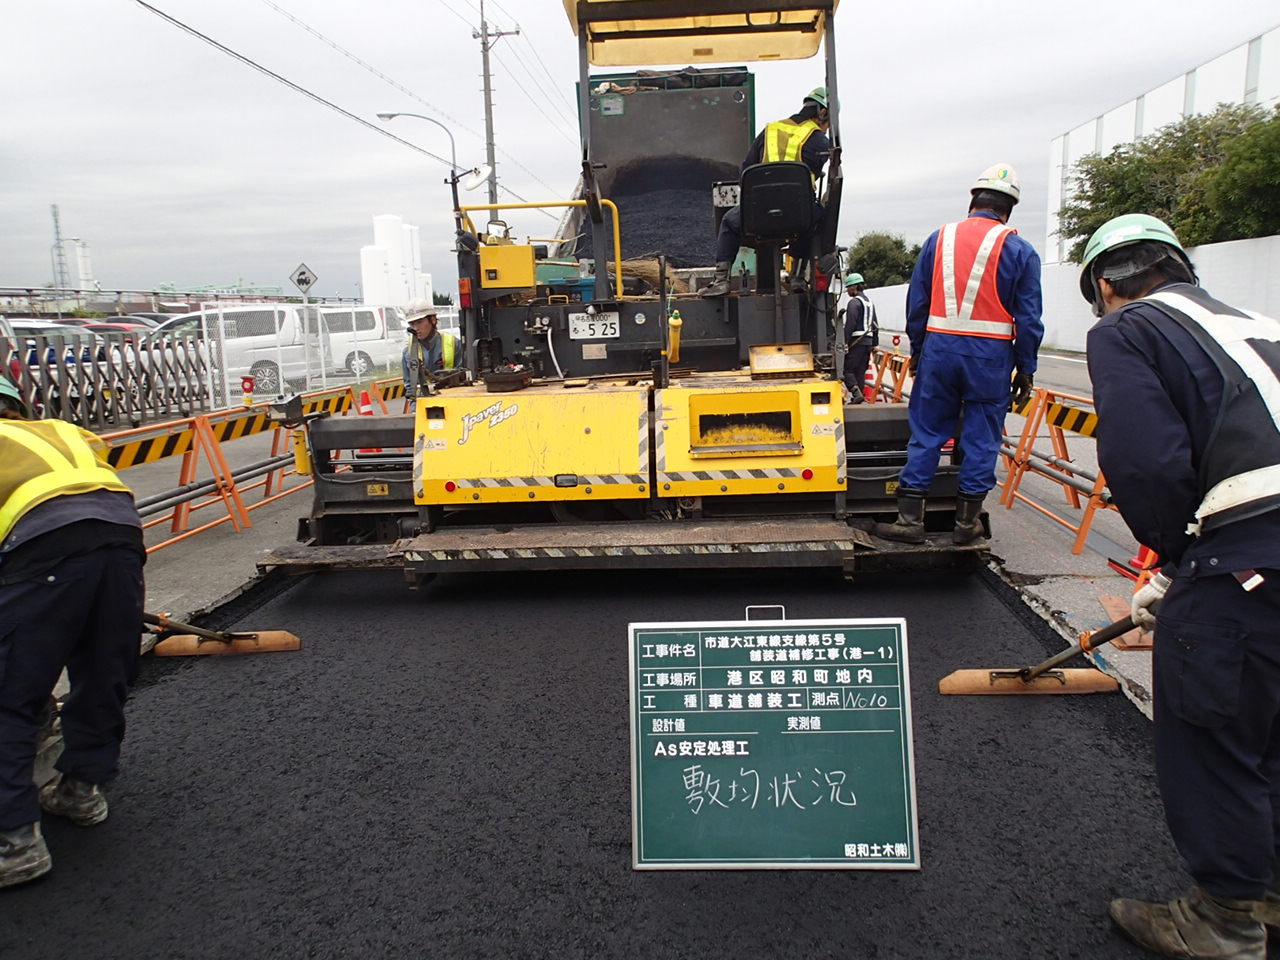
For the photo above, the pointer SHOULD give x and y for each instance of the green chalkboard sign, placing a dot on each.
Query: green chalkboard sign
(772, 744)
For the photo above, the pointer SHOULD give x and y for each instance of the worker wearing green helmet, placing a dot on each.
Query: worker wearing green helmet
(11, 402)
(801, 137)
(71, 556)
(1187, 391)
(861, 335)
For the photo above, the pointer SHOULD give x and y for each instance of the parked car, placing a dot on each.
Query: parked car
(155, 318)
(291, 343)
(364, 337)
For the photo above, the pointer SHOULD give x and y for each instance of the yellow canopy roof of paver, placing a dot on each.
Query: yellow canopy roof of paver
(625, 33)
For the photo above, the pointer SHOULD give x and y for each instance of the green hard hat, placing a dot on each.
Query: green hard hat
(854, 280)
(1119, 232)
(7, 389)
(818, 95)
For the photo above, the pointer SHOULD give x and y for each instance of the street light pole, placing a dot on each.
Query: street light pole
(453, 158)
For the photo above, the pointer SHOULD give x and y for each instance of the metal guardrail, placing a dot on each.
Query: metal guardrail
(199, 441)
(103, 380)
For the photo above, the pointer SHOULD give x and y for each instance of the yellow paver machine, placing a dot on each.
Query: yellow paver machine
(608, 415)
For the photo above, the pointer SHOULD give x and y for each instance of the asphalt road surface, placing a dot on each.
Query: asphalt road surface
(447, 775)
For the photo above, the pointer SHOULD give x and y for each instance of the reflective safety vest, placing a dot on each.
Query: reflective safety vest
(784, 141)
(43, 459)
(448, 351)
(869, 323)
(1239, 474)
(964, 299)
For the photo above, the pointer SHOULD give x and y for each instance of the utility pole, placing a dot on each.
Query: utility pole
(483, 35)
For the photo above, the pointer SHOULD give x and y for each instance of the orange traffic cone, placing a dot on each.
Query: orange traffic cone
(869, 385)
(366, 410)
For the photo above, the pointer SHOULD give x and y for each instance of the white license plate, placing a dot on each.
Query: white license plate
(594, 326)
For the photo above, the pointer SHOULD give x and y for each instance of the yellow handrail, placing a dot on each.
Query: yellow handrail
(609, 204)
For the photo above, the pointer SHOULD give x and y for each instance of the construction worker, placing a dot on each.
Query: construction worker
(801, 137)
(861, 335)
(973, 319)
(1187, 391)
(428, 350)
(71, 556)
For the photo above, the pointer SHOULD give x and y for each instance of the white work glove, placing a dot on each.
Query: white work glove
(1143, 604)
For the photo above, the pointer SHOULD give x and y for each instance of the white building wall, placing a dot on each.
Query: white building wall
(388, 233)
(1249, 73)
(412, 252)
(375, 277)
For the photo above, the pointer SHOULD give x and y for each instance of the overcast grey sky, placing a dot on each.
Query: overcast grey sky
(177, 163)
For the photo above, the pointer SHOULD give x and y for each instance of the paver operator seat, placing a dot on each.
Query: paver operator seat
(778, 207)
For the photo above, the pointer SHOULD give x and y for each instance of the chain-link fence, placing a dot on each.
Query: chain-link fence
(287, 348)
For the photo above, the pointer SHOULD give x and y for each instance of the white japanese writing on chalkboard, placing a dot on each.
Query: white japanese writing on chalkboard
(802, 791)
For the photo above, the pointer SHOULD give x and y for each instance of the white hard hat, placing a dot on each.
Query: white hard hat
(417, 309)
(1000, 177)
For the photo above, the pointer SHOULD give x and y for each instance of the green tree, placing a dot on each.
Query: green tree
(1244, 189)
(883, 259)
(442, 299)
(1167, 174)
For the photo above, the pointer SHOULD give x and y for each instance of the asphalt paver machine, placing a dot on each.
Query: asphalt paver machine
(608, 415)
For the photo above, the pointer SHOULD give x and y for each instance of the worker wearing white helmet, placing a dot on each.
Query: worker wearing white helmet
(1187, 391)
(428, 350)
(973, 318)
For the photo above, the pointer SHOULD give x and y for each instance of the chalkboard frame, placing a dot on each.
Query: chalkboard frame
(644, 803)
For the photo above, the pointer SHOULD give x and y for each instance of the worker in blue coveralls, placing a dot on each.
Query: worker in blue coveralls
(1187, 391)
(973, 319)
(801, 137)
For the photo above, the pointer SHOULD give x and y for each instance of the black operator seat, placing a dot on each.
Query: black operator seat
(778, 206)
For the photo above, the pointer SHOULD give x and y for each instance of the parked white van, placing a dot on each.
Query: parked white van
(286, 342)
(364, 337)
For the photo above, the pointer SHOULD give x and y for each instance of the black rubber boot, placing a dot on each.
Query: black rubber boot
(968, 518)
(23, 855)
(81, 803)
(909, 527)
(719, 285)
(1198, 924)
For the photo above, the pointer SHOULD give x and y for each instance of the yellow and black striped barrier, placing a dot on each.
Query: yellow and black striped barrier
(132, 448)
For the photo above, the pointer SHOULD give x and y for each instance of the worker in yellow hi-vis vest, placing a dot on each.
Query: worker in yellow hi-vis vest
(428, 351)
(800, 137)
(71, 556)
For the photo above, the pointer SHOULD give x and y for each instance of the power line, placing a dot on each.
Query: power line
(551, 120)
(555, 84)
(457, 14)
(537, 83)
(289, 83)
(382, 131)
(398, 86)
(367, 66)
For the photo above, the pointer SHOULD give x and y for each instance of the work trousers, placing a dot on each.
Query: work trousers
(1216, 673)
(855, 365)
(945, 385)
(85, 614)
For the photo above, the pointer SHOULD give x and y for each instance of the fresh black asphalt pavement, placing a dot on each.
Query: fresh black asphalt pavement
(447, 775)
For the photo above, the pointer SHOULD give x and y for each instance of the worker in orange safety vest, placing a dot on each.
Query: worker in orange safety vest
(973, 319)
